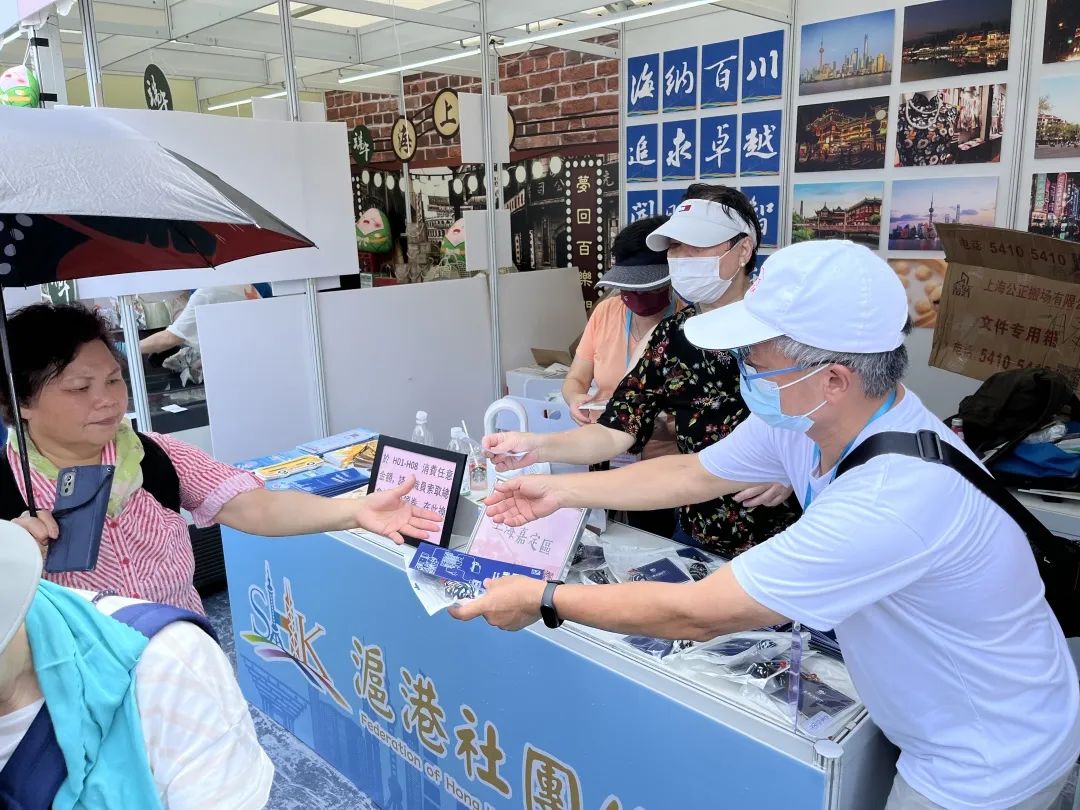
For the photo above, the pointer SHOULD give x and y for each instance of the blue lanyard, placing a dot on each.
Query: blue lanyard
(884, 409)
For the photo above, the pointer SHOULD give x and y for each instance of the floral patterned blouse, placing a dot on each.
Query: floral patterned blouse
(701, 390)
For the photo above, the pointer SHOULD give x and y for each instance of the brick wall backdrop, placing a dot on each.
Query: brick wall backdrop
(561, 99)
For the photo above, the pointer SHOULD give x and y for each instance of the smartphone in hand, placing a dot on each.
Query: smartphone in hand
(82, 502)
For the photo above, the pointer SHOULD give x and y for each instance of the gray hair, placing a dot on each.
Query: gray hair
(880, 373)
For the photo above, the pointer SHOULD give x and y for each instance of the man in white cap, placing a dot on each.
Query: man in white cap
(93, 714)
(932, 590)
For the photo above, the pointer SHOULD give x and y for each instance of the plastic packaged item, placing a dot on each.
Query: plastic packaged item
(441, 577)
(956, 425)
(1048, 434)
(422, 433)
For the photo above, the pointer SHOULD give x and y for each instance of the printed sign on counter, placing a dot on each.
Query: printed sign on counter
(546, 543)
(438, 475)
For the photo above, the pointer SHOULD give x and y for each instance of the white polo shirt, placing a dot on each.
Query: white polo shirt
(935, 597)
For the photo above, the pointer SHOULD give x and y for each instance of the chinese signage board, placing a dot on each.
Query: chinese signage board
(361, 145)
(1010, 300)
(156, 89)
(586, 240)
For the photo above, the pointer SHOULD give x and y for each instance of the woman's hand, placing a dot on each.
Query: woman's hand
(763, 495)
(389, 514)
(512, 450)
(42, 528)
(580, 416)
(522, 500)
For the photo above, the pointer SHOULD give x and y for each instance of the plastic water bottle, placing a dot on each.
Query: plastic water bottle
(422, 433)
(459, 443)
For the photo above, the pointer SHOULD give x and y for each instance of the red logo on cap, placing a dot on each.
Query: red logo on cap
(685, 207)
(756, 282)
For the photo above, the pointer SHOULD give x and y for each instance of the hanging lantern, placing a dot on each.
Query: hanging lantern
(19, 87)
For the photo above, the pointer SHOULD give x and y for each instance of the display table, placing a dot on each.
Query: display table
(427, 712)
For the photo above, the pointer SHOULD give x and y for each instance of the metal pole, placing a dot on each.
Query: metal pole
(789, 111)
(20, 429)
(1019, 104)
(624, 82)
(497, 173)
(311, 286)
(406, 180)
(490, 185)
(48, 59)
(90, 53)
(128, 322)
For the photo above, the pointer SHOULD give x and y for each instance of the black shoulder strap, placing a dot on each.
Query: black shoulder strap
(12, 503)
(927, 445)
(1058, 558)
(159, 474)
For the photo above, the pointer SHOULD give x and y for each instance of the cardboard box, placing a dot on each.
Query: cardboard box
(1011, 300)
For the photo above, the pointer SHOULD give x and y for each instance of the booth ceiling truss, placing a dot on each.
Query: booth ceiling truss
(234, 46)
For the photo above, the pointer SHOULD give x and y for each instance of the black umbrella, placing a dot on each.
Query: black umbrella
(82, 196)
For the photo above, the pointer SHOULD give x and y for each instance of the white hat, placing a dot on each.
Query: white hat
(702, 224)
(830, 294)
(20, 560)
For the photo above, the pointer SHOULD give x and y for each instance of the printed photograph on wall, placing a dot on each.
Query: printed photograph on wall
(923, 280)
(1055, 205)
(1057, 129)
(848, 54)
(842, 135)
(838, 211)
(945, 127)
(955, 37)
(918, 206)
(1062, 43)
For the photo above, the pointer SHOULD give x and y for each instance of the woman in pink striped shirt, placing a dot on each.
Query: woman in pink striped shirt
(73, 399)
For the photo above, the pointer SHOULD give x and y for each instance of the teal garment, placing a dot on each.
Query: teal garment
(85, 666)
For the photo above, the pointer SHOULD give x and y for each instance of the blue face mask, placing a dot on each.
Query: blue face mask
(762, 397)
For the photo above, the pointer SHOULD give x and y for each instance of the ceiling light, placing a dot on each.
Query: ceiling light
(242, 102)
(414, 66)
(608, 21)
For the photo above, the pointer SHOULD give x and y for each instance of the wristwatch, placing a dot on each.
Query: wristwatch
(547, 605)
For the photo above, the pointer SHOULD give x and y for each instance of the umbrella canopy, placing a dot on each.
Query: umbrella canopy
(82, 195)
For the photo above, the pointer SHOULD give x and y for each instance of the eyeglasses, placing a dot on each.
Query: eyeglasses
(749, 373)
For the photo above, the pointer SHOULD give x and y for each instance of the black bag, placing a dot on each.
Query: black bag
(1011, 405)
(159, 479)
(1058, 558)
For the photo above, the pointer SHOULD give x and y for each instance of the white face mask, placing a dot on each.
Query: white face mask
(697, 278)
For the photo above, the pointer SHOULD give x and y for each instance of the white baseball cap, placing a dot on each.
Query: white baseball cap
(830, 294)
(20, 560)
(701, 224)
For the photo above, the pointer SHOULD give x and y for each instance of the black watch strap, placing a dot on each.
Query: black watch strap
(547, 605)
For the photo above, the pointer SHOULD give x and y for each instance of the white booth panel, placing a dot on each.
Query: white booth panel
(260, 382)
(389, 352)
(542, 309)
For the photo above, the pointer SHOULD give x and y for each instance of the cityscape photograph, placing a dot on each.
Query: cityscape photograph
(847, 54)
(1055, 205)
(1057, 129)
(954, 125)
(838, 211)
(918, 206)
(1062, 43)
(954, 37)
(842, 135)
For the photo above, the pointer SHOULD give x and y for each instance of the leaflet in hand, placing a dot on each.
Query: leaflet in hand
(442, 577)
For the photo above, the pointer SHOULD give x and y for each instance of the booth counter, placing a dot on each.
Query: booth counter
(423, 711)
